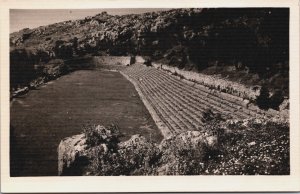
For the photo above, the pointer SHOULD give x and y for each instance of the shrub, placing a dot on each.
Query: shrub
(276, 99)
(183, 154)
(136, 156)
(262, 100)
(96, 135)
(148, 61)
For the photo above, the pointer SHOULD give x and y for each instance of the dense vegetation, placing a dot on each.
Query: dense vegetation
(246, 45)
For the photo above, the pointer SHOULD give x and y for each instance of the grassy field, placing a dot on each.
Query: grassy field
(41, 118)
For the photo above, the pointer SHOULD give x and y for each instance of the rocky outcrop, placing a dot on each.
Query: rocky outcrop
(70, 152)
(232, 147)
(284, 105)
(19, 92)
(77, 157)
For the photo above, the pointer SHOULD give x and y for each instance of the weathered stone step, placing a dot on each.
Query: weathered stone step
(197, 99)
(180, 107)
(182, 104)
(227, 99)
(161, 107)
(215, 102)
(161, 112)
(162, 98)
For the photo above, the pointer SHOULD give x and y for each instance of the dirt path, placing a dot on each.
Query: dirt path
(41, 118)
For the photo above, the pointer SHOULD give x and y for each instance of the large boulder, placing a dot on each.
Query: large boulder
(284, 105)
(71, 154)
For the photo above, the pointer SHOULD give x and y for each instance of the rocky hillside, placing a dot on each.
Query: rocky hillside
(250, 46)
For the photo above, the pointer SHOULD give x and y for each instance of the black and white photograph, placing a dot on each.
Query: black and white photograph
(172, 92)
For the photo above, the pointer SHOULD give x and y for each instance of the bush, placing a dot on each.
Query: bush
(265, 101)
(96, 135)
(148, 61)
(262, 100)
(276, 99)
(184, 154)
(136, 156)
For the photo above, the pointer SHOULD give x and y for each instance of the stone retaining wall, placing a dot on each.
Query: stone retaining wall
(111, 60)
(221, 84)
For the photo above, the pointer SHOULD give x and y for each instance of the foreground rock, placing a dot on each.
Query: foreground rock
(70, 152)
(136, 156)
(234, 147)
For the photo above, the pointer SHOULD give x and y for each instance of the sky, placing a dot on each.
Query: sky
(32, 18)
